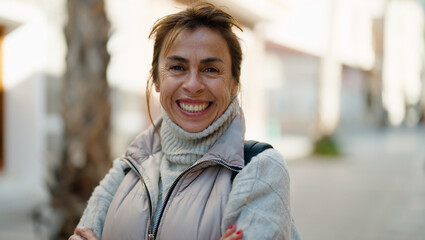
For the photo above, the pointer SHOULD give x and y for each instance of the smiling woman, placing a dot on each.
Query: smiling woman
(177, 179)
(195, 79)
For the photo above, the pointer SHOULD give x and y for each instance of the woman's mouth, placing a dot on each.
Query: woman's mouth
(193, 106)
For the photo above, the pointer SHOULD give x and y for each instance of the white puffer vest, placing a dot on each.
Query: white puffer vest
(195, 203)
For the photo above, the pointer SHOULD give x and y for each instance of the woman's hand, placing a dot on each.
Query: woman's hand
(231, 234)
(84, 233)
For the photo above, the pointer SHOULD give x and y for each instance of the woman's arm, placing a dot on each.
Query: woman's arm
(95, 213)
(259, 202)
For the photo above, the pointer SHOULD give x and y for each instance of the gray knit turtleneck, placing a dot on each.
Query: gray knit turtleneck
(181, 149)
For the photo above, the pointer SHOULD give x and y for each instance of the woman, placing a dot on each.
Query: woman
(175, 180)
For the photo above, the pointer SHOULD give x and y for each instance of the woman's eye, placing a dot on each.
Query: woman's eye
(211, 70)
(176, 68)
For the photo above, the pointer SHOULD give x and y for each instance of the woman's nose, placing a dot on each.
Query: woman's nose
(193, 83)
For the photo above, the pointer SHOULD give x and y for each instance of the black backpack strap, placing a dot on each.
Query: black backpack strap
(251, 149)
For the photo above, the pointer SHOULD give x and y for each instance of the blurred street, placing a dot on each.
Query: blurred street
(375, 190)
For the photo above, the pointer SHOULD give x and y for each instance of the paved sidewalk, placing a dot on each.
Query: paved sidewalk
(376, 190)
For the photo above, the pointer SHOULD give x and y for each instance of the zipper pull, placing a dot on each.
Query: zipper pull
(150, 236)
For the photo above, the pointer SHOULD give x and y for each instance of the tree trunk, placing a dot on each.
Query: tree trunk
(86, 110)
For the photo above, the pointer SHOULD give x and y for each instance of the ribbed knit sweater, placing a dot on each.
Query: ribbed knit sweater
(181, 149)
(263, 183)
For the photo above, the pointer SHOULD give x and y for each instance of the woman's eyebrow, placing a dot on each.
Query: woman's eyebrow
(177, 58)
(206, 60)
(211, 59)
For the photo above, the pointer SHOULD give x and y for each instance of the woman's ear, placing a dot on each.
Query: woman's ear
(234, 88)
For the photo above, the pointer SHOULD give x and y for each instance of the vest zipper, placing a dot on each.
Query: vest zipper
(151, 236)
(164, 203)
(152, 233)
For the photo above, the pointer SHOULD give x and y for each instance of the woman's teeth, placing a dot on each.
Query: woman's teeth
(193, 107)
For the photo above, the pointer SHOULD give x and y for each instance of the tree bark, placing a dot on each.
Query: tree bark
(86, 110)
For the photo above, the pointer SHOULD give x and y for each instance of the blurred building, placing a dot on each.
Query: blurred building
(308, 64)
(403, 62)
(27, 45)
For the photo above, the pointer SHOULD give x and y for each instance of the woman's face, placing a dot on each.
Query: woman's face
(195, 79)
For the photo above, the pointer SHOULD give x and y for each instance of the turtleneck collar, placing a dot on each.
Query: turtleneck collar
(182, 147)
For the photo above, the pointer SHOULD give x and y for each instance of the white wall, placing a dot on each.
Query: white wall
(24, 57)
(403, 58)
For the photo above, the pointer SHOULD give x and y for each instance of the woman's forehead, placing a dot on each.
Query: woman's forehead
(199, 40)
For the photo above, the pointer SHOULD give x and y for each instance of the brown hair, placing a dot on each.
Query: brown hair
(201, 14)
